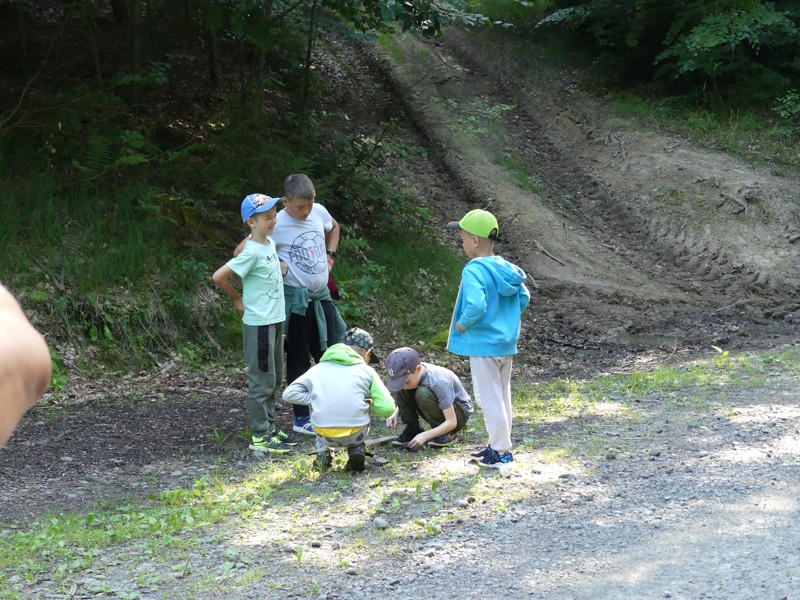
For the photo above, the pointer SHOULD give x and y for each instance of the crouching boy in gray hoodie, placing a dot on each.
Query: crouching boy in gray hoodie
(342, 390)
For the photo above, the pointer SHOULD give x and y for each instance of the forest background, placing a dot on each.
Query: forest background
(130, 130)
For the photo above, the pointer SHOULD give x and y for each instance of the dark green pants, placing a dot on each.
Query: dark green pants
(263, 353)
(422, 402)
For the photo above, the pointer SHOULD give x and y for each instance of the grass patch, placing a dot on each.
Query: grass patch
(685, 384)
(406, 274)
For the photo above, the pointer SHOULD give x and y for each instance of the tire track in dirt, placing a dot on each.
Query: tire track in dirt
(631, 272)
(722, 274)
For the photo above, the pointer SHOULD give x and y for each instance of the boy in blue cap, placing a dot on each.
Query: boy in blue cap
(263, 313)
(486, 326)
(306, 237)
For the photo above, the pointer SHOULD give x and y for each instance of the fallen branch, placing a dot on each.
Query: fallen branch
(621, 146)
(541, 249)
(729, 306)
(740, 203)
(380, 440)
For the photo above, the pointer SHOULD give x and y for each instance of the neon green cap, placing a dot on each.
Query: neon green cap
(478, 222)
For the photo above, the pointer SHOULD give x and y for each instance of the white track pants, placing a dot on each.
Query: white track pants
(491, 383)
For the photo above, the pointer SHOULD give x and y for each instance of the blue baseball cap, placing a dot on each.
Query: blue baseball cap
(257, 203)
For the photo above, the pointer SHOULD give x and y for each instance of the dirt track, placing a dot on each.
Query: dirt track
(647, 237)
(641, 256)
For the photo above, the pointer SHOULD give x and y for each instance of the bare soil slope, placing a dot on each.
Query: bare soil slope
(635, 237)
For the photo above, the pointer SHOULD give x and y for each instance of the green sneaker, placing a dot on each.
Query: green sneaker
(272, 445)
(285, 437)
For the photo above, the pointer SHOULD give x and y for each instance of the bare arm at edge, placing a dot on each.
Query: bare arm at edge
(25, 365)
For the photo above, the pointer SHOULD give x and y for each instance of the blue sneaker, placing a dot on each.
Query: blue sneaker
(303, 425)
(495, 460)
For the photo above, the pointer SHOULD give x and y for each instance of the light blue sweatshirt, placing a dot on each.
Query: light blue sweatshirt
(491, 298)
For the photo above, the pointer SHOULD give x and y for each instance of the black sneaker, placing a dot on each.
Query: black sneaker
(409, 433)
(443, 440)
(481, 453)
(356, 455)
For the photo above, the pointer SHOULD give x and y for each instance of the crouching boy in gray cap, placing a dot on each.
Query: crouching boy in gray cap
(428, 391)
(341, 391)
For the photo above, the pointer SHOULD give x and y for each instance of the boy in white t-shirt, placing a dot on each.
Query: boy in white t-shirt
(263, 313)
(306, 237)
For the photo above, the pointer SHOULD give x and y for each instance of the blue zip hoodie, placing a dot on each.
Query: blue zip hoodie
(491, 298)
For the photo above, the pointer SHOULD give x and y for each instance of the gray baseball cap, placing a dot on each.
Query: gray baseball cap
(399, 364)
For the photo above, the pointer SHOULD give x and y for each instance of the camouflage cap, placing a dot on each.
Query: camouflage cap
(361, 339)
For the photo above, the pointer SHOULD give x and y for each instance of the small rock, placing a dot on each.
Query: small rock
(66, 459)
(655, 452)
(316, 544)
(380, 523)
(462, 502)
(611, 455)
(471, 499)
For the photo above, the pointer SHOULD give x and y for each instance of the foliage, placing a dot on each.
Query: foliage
(744, 50)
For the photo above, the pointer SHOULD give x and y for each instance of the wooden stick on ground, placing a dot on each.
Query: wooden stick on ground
(541, 249)
(741, 203)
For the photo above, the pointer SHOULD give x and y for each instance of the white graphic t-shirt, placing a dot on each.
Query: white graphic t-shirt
(262, 288)
(301, 245)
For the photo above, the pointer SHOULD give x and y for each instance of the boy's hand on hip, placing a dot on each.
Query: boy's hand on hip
(418, 441)
(239, 306)
(284, 269)
(459, 328)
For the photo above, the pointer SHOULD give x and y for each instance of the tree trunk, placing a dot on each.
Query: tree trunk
(23, 38)
(213, 57)
(91, 25)
(120, 10)
(312, 33)
(134, 36)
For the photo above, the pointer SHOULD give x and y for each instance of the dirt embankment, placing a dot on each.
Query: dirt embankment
(635, 237)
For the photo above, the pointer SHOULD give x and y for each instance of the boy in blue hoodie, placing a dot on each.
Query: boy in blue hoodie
(342, 389)
(486, 326)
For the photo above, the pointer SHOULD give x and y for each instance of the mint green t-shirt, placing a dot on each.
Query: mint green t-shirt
(262, 284)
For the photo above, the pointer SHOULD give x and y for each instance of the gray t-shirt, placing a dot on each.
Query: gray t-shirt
(301, 245)
(446, 386)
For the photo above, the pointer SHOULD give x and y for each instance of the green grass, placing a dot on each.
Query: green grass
(407, 273)
(615, 394)
(388, 43)
(415, 492)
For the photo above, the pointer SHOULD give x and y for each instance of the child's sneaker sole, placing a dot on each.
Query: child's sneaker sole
(270, 450)
(496, 465)
(442, 441)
